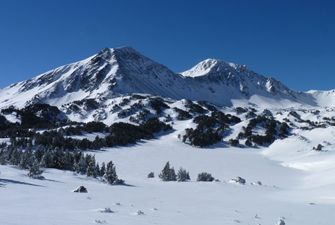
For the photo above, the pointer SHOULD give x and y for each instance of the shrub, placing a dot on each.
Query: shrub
(183, 175)
(205, 177)
(151, 175)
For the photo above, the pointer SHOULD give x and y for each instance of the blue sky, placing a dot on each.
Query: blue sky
(293, 41)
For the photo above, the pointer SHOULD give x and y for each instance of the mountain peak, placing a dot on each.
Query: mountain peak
(125, 52)
(210, 66)
(125, 49)
(117, 49)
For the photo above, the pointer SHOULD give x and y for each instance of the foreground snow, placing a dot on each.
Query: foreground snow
(299, 187)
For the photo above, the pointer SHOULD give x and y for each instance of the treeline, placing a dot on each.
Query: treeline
(118, 134)
(56, 158)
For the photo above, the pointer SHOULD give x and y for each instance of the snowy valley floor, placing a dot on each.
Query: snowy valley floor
(298, 185)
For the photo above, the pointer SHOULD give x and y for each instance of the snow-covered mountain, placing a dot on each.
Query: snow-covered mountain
(323, 98)
(109, 73)
(285, 153)
(117, 71)
(229, 81)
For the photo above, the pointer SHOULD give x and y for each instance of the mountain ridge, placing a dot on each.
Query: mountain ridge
(121, 71)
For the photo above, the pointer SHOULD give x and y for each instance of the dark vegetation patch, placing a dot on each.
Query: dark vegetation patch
(90, 127)
(158, 105)
(182, 114)
(57, 158)
(240, 110)
(118, 134)
(131, 110)
(41, 116)
(141, 116)
(88, 104)
(194, 108)
(209, 129)
(208, 106)
(273, 130)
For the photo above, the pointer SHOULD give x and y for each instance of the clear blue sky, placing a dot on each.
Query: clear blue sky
(293, 41)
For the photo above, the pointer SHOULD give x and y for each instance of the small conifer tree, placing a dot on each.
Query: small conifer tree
(183, 175)
(168, 173)
(110, 174)
(35, 171)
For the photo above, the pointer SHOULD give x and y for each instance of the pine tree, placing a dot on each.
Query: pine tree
(46, 161)
(38, 154)
(15, 157)
(168, 174)
(97, 170)
(35, 171)
(91, 166)
(26, 160)
(102, 169)
(81, 165)
(90, 171)
(110, 174)
(3, 160)
(183, 175)
(68, 161)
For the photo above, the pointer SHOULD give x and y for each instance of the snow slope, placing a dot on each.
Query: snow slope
(297, 185)
(323, 98)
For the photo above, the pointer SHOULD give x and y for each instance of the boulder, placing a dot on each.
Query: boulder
(238, 180)
(81, 189)
(319, 147)
(140, 213)
(106, 210)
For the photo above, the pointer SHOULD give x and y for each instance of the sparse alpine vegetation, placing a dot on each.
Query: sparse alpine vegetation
(210, 129)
